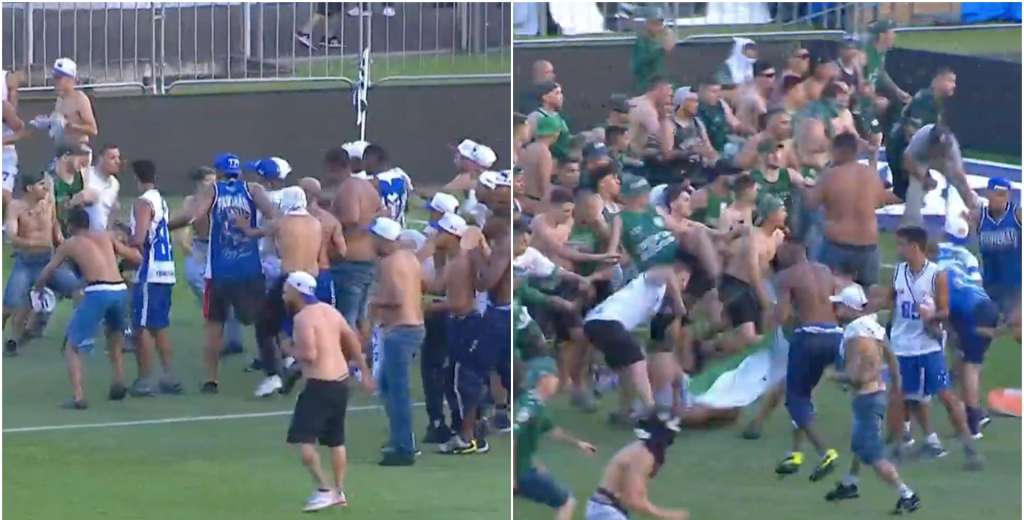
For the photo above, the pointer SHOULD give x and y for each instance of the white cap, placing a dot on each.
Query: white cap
(451, 223)
(488, 179)
(66, 67)
(957, 227)
(293, 201)
(303, 282)
(355, 149)
(43, 300)
(386, 228)
(444, 203)
(851, 296)
(658, 195)
(504, 178)
(682, 93)
(476, 152)
(412, 238)
(283, 168)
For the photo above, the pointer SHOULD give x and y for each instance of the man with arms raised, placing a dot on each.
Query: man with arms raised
(398, 305)
(324, 346)
(72, 120)
(95, 253)
(102, 187)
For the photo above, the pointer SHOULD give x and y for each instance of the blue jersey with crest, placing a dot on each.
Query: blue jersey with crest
(233, 256)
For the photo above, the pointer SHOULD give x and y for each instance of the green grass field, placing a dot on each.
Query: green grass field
(223, 468)
(717, 475)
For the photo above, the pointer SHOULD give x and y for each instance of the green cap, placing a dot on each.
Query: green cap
(539, 367)
(881, 26)
(634, 185)
(548, 125)
(30, 177)
(766, 205)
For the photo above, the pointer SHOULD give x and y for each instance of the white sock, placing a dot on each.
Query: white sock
(850, 480)
(933, 439)
(906, 427)
(905, 491)
(663, 398)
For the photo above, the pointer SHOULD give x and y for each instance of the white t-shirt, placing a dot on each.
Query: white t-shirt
(534, 264)
(634, 304)
(107, 189)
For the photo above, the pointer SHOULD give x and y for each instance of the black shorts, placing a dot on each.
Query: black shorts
(558, 324)
(619, 347)
(700, 282)
(274, 311)
(329, 8)
(245, 296)
(740, 301)
(320, 413)
(659, 331)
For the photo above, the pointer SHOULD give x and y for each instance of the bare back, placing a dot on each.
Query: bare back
(851, 219)
(548, 237)
(94, 254)
(400, 279)
(808, 286)
(298, 243)
(356, 204)
(460, 290)
(319, 327)
(643, 123)
(864, 360)
(632, 464)
(332, 238)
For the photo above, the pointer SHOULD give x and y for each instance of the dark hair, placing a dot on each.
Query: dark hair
(656, 81)
(766, 117)
(200, 172)
(613, 132)
(939, 135)
(145, 170)
(833, 89)
(520, 226)
(672, 192)
(742, 184)
(107, 146)
(78, 218)
(598, 174)
(709, 81)
(915, 235)
(560, 195)
(760, 66)
(845, 141)
(336, 158)
(562, 161)
(377, 151)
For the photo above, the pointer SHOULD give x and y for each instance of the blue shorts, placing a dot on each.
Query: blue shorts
(866, 434)
(494, 336)
(106, 306)
(325, 287)
(972, 345)
(923, 376)
(539, 486)
(26, 271)
(462, 333)
(151, 305)
(811, 349)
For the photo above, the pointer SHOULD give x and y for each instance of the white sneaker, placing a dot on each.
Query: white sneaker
(268, 386)
(320, 500)
(339, 499)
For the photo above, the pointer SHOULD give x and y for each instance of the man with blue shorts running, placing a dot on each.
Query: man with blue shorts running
(95, 253)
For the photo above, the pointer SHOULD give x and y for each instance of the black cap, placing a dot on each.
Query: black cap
(544, 87)
(595, 151)
(760, 66)
(618, 103)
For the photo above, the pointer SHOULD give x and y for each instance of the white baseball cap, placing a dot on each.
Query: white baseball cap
(504, 178)
(488, 179)
(851, 296)
(386, 228)
(412, 238)
(293, 201)
(65, 67)
(957, 227)
(444, 203)
(303, 282)
(355, 149)
(476, 152)
(451, 223)
(682, 94)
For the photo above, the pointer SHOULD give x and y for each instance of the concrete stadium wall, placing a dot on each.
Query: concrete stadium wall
(985, 86)
(416, 124)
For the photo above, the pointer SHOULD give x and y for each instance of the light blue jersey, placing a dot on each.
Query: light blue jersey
(233, 256)
(965, 286)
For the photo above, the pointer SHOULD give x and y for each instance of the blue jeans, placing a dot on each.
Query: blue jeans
(400, 345)
(352, 282)
(24, 274)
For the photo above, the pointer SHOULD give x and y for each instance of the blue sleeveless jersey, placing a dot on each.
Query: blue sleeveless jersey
(394, 186)
(965, 289)
(233, 256)
(999, 243)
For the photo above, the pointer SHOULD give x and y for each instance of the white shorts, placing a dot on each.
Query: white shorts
(10, 167)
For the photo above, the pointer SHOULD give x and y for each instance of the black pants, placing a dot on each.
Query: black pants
(268, 326)
(433, 360)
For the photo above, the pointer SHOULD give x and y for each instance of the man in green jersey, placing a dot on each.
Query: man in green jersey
(551, 100)
(882, 38)
(653, 44)
(532, 423)
(68, 179)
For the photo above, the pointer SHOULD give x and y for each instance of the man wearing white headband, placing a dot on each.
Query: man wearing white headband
(324, 347)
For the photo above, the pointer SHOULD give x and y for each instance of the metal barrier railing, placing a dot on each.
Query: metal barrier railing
(163, 45)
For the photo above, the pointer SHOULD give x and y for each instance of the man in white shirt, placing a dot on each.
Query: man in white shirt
(102, 187)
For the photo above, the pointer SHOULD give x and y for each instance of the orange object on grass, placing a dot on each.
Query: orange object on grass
(1005, 401)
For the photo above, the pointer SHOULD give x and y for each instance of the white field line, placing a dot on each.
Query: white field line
(172, 420)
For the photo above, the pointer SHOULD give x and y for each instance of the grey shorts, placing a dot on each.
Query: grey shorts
(599, 511)
(865, 259)
(866, 433)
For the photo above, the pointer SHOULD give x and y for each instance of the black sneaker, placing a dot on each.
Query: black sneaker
(10, 348)
(843, 492)
(482, 446)
(501, 422)
(394, 458)
(304, 38)
(255, 366)
(72, 404)
(291, 377)
(209, 387)
(437, 434)
(907, 505)
(117, 392)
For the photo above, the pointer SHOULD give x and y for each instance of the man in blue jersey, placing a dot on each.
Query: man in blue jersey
(999, 242)
(970, 307)
(393, 184)
(234, 275)
(154, 284)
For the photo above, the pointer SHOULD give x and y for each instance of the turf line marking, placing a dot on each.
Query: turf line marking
(172, 420)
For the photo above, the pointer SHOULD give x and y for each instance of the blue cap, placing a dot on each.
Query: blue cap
(271, 168)
(999, 183)
(228, 164)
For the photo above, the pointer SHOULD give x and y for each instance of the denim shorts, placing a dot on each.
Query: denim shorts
(102, 303)
(352, 283)
(866, 433)
(24, 274)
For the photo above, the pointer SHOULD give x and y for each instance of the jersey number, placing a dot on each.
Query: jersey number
(162, 243)
(908, 312)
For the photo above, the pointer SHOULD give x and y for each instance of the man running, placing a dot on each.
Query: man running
(397, 303)
(154, 283)
(324, 346)
(33, 231)
(95, 253)
(623, 488)
(804, 289)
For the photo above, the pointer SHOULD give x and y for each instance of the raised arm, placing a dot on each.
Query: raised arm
(262, 201)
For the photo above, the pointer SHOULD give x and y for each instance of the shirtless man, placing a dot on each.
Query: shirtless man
(778, 130)
(397, 304)
(539, 166)
(804, 289)
(471, 159)
(95, 253)
(296, 235)
(356, 204)
(753, 98)
(741, 212)
(332, 241)
(623, 488)
(72, 120)
(851, 228)
(324, 346)
(493, 259)
(865, 356)
(33, 230)
(13, 130)
(650, 123)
